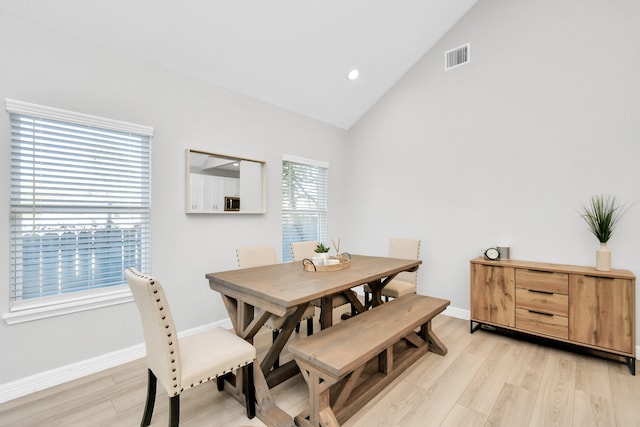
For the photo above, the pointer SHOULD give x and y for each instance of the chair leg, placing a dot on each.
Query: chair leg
(250, 391)
(151, 399)
(274, 335)
(366, 298)
(220, 382)
(298, 328)
(174, 414)
(310, 326)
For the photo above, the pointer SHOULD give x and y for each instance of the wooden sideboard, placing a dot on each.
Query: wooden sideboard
(576, 305)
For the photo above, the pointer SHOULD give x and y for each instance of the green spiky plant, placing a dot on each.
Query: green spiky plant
(321, 248)
(601, 215)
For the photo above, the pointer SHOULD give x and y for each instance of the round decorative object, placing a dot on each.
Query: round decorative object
(492, 254)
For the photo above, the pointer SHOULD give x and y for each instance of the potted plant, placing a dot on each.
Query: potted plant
(322, 251)
(601, 215)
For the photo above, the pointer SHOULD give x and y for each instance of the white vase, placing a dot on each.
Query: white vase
(325, 258)
(603, 258)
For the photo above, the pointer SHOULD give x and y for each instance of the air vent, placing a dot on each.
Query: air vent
(456, 57)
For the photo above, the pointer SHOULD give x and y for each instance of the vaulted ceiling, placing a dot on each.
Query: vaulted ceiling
(291, 53)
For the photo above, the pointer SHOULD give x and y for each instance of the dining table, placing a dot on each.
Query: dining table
(252, 295)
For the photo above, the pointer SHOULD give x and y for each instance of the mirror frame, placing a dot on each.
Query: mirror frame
(189, 209)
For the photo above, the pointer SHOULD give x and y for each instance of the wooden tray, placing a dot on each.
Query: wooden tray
(345, 262)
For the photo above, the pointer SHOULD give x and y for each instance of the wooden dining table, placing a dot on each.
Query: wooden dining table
(252, 295)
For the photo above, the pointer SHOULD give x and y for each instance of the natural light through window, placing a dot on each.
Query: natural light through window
(80, 205)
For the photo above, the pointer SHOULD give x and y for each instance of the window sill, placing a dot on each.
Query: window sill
(38, 310)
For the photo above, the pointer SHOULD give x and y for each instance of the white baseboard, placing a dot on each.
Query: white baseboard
(43, 380)
(458, 313)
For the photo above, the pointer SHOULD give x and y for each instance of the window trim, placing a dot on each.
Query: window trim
(103, 297)
(25, 311)
(27, 108)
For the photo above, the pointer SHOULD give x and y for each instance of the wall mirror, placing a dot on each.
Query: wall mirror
(221, 184)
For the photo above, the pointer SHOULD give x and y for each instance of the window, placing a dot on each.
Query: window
(304, 202)
(80, 210)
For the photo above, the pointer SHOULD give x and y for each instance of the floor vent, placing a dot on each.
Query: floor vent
(456, 57)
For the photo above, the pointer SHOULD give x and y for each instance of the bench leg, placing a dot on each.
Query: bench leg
(435, 344)
(385, 360)
(320, 414)
(328, 418)
(315, 399)
(319, 411)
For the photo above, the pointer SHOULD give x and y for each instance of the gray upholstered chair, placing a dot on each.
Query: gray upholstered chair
(182, 363)
(406, 282)
(304, 250)
(256, 256)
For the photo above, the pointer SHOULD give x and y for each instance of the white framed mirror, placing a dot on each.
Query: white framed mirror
(221, 184)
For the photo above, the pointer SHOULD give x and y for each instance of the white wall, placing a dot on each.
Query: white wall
(507, 148)
(44, 67)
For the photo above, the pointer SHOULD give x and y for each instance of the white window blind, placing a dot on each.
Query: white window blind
(304, 202)
(80, 203)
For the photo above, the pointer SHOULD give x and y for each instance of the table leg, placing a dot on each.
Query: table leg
(326, 312)
(284, 335)
(352, 297)
(376, 290)
(246, 326)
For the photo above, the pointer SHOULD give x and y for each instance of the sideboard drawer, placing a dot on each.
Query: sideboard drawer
(541, 323)
(546, 281)
(544, 302)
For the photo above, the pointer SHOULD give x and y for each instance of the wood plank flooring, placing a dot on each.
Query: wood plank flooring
(486, 379)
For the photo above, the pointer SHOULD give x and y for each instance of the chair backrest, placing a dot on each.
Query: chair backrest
(405, 249)
(256, 256)
(161, 340)
(302, 250)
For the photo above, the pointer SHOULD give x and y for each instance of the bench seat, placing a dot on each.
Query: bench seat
(349, 363)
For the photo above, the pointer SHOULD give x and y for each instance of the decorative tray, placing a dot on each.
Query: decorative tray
(344, 262)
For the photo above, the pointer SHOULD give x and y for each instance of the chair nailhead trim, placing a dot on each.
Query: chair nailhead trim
(174, 368)
(160, 306)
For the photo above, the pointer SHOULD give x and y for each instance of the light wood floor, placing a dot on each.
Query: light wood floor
(486, 379)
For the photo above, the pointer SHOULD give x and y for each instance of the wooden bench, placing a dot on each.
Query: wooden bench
(349, 363)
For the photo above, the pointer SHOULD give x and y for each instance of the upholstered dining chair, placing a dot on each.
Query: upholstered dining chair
(182, 363)
(306, 250)
(256, 256)
(302, 250)
(406, 282)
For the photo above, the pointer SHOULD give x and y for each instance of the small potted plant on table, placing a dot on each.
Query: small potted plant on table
(323, 251)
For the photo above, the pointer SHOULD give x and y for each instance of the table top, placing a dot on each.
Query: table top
(279, 287)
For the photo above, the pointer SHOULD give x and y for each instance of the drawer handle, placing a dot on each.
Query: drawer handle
(541, 271)
(540, 292)
(539, 312)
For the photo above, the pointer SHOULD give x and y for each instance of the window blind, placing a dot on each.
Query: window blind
(80, 203)
(304, 202)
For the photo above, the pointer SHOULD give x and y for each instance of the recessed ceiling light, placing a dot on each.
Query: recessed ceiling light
(353, 74)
